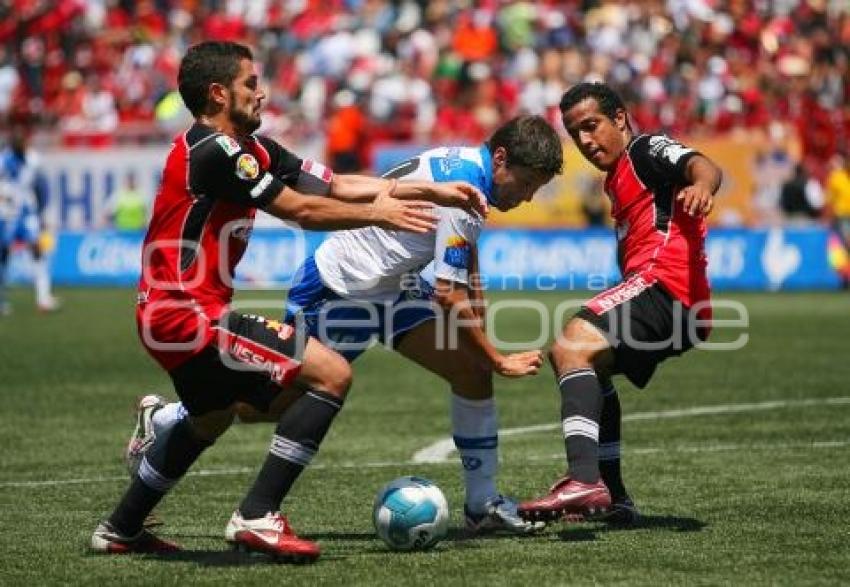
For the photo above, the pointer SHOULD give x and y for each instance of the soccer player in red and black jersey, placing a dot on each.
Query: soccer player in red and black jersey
(660, 193)
(217, 175)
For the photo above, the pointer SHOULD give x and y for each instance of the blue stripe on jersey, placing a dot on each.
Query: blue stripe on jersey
(487, 163)
(465, 442)
(453, 167)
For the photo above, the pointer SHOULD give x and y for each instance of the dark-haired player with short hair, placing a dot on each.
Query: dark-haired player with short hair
(217, 175)
(660, 192)
(366, 284)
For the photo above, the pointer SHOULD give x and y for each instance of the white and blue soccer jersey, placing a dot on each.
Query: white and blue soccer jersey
(364, 284)
(373, 263)
(19, 182)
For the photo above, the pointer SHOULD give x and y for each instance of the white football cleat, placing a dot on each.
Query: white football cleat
(501, 517)
(143, 432)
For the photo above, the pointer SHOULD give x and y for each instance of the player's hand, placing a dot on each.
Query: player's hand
(696, 200)
(459, 194)
(410, 215)
(519, 364)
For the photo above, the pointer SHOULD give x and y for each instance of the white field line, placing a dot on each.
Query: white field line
(705, 448)
(442, 449)
(648, 450)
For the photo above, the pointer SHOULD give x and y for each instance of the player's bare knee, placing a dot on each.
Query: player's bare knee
(579, 346)
(336, 378)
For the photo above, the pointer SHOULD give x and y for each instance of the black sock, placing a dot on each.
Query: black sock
(297, 437)
(165, 463)
(609, 443)
(581, 403)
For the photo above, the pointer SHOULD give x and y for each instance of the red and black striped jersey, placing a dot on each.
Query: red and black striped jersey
(203, 215)
(655, 235)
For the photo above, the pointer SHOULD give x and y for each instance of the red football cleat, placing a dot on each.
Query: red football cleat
(271, 535)
(570, 499)
(108, 540)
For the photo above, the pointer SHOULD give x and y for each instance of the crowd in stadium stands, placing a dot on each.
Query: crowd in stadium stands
(361, 71)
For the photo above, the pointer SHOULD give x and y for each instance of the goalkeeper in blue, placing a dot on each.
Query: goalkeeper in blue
(418, 294)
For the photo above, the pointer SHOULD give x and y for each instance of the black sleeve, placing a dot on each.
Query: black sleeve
(220, 167)
(305, 175)
(660, 159)
(285, 165)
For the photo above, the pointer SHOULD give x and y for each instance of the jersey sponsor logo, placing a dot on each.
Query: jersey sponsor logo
(258, 189)
(245, 355)
(247, 167)
(317, 170)
(457, 252)
(663, 147)
(229, 144)
(619, 295)
(451, 161)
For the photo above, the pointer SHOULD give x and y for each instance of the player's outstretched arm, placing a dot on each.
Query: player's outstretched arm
(454, 298)
(384, 210)
(704, 178)
(455, 194)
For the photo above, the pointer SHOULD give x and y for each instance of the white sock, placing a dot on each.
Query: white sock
(41, 277)
(168, 415)
(475, 429)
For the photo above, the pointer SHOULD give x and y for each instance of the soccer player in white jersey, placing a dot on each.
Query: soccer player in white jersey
(23, 197)
(365, 284)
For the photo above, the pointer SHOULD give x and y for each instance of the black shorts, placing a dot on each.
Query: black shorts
(249, 360)
(644, 325)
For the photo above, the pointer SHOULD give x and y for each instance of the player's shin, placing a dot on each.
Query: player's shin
(162, 467)
(297, 437)
(609, 442)
(475, 431)
(581, 404)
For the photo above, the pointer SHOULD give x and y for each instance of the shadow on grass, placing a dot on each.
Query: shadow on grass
(212, 558)
(459, 538)
(672, 523)
(588, 532)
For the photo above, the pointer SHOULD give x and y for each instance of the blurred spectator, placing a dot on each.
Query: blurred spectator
(801, 197)
(8, 82)
(347, 137)
(838, 196)
(685, 65)
(103, 71)
(772, 169)
(594, 203)
(128, 209)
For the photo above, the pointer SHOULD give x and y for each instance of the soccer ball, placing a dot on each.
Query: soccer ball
(410, 513)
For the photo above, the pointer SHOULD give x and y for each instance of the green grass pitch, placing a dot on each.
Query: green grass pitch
(756, 492)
